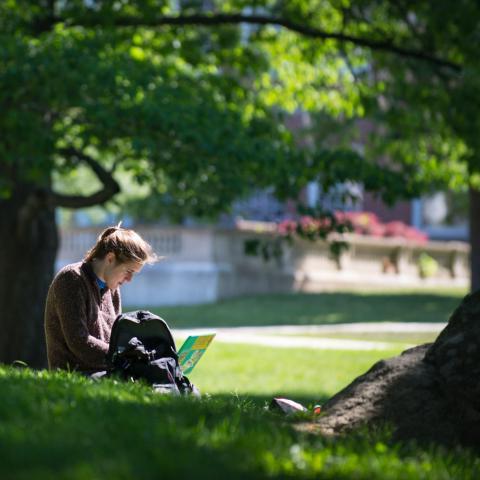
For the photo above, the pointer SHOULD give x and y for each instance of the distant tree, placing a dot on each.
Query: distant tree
(188, 101)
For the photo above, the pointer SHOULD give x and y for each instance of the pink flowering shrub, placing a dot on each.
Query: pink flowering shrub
(362, 223)
(400, 229)
(313, 228)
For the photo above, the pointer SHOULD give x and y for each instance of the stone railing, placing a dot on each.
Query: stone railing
(382, 262)
(75, 242)
(207, 264)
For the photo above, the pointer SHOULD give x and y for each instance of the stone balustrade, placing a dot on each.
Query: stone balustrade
(208, 264)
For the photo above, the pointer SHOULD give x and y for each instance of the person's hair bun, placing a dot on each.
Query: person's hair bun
(126, 244)
(108, 231)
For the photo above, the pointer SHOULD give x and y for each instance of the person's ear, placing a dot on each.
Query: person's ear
(110, 257)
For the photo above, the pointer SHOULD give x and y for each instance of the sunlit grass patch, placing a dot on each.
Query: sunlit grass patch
(267, 371)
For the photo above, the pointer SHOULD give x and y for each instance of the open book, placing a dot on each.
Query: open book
(192, 350)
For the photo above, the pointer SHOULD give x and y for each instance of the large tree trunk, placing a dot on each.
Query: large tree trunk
(29, 244)
(428, 393)
(474, 221)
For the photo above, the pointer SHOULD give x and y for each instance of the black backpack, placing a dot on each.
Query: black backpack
(142, 348)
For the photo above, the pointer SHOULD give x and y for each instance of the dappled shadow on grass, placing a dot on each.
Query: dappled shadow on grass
(65, 426)
(73, 426)
(315, 309)
(263, 401)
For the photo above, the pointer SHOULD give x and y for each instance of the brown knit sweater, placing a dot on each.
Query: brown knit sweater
(79, 319)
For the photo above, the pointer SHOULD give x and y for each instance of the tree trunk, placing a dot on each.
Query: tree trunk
(29, 242)
(430, 393)
(474, 221)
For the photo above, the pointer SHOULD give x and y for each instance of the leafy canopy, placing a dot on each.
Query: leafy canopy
(192, 102)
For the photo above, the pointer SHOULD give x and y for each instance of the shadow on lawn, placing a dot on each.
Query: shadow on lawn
(75, 428)
(63, 426)
(315, 309)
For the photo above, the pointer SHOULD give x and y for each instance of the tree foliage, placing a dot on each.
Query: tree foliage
(191, 101)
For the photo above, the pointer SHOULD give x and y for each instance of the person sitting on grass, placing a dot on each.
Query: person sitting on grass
(84, 300)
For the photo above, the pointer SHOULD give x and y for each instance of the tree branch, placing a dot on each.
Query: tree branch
(111, 187)
(51, 7)
(389, 45)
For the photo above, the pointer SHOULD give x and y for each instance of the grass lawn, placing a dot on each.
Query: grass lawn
(259, 373)
(64, 426)
(317, 309)
(58, 425)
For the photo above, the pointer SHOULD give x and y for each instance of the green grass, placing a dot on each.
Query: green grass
(63, 426)
(317, 309)
(58, 425)
(305, 375)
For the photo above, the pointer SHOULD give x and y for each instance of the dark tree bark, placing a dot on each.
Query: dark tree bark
(430, 393)
(474, 221)
(27, 259)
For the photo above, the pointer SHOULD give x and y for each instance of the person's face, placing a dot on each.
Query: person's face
(117, 273)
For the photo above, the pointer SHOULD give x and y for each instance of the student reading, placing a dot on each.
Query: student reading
(84, 300)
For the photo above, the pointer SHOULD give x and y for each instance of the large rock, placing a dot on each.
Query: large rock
(428, 393)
